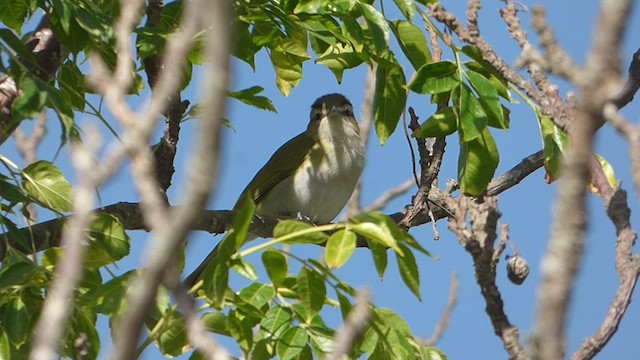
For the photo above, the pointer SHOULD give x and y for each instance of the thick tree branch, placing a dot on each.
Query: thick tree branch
(478, 239)
(57, 308)
(598, 83)
(45, 235)
(165, 150)
(215, 17)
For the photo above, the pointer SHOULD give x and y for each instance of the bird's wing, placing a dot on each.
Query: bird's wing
(281, 165)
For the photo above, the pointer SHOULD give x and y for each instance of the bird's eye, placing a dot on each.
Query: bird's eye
(316, 115)
(347, 111)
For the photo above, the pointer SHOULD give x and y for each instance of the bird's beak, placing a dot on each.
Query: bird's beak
(333, 112)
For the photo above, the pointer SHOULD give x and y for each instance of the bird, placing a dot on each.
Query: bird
(311, 176)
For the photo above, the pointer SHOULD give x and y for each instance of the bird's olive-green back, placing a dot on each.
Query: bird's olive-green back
(281, 165)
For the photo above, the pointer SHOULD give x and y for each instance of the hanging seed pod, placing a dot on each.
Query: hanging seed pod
(517, 269)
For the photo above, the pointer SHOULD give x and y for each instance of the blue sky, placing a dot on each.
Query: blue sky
(527, 208)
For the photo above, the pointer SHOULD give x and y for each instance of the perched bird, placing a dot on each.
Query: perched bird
(312, 175)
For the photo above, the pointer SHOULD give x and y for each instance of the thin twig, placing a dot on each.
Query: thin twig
(196, 330)
(366, 119)
(445, 317)
(57, 308)
(353, 326)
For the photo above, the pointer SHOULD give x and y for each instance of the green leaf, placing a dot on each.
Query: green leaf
(609, 173)
(395, 334)
(16, 320)
(276, 266)
(407, 7)
(482, 66)
(17, 274)
(554, 142)
(216, 322)
(485, 69)
(379, 253)
(312, 291)
(83, 324)
(378, 26)
(375, 226)
(257, 294)
(15, 44)
(324, 7)
(244, 268)
(5, 346)
(471, 116)
(107, 233)
(339, 248)
(277, 320)
(287, 227)
(292, 343)
(488, 97)
(241, 330)
(250, 97)
(477, 163)
(409, 270)
(339, 61)
(434, 78)
(31, 100)
(248, 50)
(13, 13)
(288, 71)
(216, 281)
(432, 353)
(109, 299)
(45, 182)
(237, 235)
(72, 82)
(171, 339)
(150, 42)
(442, 123)
(389, 100)
(412, 42)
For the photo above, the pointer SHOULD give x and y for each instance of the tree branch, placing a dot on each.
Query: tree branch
(478, 239)
(215, 17)
(598, 82)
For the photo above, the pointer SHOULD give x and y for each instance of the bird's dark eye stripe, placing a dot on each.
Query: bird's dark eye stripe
(346, 111)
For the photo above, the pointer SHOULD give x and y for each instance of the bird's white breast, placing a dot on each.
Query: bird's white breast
(322, 185)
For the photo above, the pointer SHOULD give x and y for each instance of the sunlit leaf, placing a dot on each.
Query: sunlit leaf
(339, 248)
(278, 319)
(377, 25)
(292, 343)
(444, 122)
(554, 142)
(407, 7)
(45, 182)
(412, 42)
(434, 78)
(257, 294)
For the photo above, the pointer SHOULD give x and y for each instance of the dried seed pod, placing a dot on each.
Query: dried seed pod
(517, 269)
